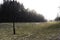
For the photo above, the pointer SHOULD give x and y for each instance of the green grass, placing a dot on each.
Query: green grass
(30, 31)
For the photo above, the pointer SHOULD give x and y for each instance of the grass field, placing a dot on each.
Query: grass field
(30, 31)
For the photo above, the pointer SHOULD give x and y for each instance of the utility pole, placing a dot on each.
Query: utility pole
(14, 32)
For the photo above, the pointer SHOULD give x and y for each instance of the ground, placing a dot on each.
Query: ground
(30, 31)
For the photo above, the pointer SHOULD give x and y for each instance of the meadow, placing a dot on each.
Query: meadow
(30, 31)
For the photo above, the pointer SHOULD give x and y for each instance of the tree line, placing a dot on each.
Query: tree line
(57, 19)
(14, 11)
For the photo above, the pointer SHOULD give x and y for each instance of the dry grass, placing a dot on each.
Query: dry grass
(30, 31)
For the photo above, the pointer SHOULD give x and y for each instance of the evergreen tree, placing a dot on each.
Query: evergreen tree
(14, 11)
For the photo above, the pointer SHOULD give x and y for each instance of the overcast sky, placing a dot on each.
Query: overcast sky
(48, 8)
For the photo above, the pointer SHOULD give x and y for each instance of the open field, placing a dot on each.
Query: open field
(30, 31)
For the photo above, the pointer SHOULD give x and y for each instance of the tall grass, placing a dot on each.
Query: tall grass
(30, 31)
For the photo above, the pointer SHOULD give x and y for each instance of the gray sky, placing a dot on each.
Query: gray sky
(49, 8)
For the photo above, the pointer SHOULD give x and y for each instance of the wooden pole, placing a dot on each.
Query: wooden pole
(13, 22)
(13, 27)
